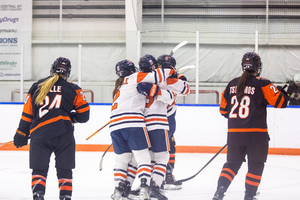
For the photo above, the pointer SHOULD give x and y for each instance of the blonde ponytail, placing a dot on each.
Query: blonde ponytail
(45, 87)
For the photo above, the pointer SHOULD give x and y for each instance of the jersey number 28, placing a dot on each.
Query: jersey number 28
(240, 109)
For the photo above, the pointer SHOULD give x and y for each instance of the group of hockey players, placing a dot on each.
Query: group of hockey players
(142, 126)
(142, 111)
(140, 133)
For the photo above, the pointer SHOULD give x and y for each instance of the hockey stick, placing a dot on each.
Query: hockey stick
(101, 161)
(185, 68)
(178, 46)
(179, 182)
(6, 143)
(97, 131)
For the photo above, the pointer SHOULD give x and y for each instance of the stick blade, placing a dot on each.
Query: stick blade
(178, 46)
(100, 166)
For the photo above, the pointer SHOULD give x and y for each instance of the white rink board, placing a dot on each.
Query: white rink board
(196, 126)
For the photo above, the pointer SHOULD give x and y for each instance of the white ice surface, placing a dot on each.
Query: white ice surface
(280, 181)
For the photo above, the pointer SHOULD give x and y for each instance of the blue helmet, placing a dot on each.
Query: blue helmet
(147, 63)
(167, 61)
(61, 66)
(125, 68)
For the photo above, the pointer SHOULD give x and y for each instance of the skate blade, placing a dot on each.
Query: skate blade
(172, 187)
(139, 197)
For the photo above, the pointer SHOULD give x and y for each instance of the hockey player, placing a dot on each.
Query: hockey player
(51, 107)
(244, 103)
(167, 61)
(157, 126)
(127, 125)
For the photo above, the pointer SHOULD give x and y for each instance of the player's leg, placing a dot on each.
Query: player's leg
(235, 158)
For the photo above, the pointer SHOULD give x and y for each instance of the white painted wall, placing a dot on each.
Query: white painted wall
(196, 126)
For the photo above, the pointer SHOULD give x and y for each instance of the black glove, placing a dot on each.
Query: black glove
(281, 89)
(182, 77)
(147, 89)
(20, 139)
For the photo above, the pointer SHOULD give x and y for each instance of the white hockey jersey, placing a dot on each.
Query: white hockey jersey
(128, 105)
(156, 109)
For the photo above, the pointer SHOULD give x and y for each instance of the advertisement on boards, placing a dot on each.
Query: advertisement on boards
(15, 39)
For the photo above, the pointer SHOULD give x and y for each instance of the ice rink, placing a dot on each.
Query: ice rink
(280, 181)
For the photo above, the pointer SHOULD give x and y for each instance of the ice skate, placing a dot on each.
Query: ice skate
(251, 197)
(170, 183)
(117, 195)
(65, 197)
(156, 192)
(39, 195)
(144, 190)
(127, 189)
(219, 195)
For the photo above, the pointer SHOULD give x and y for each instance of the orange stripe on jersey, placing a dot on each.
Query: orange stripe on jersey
(147, 137)
(82, 110)
(281, 103)
(26, 119)
(252, 183)
(247, 130)
(171, 81)
(27, 108)
(140, 77)
(159, 91)
(172, 71)
(172, 155)
(271, 93)
(254, 176)
(156, 119)
(49, 122)
(65, 187)
(223, 112)
(123, 118)
(171, 161)
(223, 103)
(160, 76)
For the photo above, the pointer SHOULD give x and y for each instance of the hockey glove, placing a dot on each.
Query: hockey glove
(182, 77)
(281, 89)
(20, 139)
(147, 89)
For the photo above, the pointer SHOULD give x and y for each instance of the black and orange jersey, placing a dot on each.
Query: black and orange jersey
(249, 116)
(53, 116)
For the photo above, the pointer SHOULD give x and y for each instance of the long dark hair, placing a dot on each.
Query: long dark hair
(242, 84)
(118, 84)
